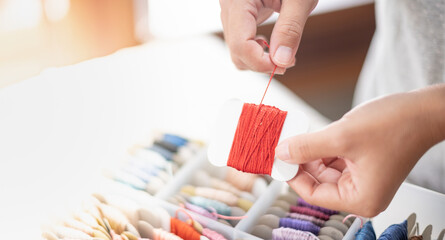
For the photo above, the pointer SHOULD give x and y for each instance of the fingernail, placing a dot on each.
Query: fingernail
(283, 55)
(282, 151)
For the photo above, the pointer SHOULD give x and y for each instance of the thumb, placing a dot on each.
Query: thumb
(308, 147)
(288, 30)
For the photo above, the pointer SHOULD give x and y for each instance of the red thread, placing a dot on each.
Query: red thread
(257, 134)
(270, 79)
(183, 230)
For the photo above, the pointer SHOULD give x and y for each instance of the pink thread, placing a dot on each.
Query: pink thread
(160, 234)
(199, 210)
(212, 235)
(215, 213)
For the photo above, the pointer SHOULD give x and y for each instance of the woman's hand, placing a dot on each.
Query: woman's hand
(357, 163)
(240, 19)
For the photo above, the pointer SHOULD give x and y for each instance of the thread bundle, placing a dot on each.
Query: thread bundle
(257, 134)
(302, 203)
(284, 220)
(220, 199)
(309, 211)
(299, 225)
(312, 219)
(366, 232)
(289, 233)
(149, 168)
(183, 230)
(99, 220)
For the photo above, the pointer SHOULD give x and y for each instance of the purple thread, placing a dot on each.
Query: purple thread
(312, 219)
(289, 233)
(299, 225)
(308, 211)
(199, 210)
(302, 203)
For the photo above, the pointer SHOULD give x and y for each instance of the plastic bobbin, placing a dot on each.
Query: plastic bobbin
(224, 131)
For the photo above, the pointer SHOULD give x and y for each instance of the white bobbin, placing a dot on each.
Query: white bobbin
(224, 131)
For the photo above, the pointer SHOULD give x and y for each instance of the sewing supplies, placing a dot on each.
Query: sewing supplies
(246, 135)
(150, 167)
(290, 233)
(305, 220)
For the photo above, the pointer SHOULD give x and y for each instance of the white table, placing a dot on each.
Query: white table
(59, 129)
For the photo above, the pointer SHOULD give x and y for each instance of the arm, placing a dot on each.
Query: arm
(357, 163)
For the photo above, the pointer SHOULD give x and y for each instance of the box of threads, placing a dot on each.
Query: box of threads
(167, 190)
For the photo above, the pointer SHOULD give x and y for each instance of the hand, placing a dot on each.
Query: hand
(357, 163)
(240, 19)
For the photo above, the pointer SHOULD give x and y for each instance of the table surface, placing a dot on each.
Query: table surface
(59, 129)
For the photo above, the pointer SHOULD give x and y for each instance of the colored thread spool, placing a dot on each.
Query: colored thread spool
(160, 234)
(219, 207)
(242, 181)
(203, 179)
(262, 231)
(200, 210)
(210, 193)
(312, 219)
(166, 145)
(183, 230)
(275, 222)
(174, 139)
(337, 225)
(366, 232)
(212, 235)
(299, 225)
(289, 233)
(309, 211)
(395, 232)
(162, 151)
(302, 203)
(257, 134)
(331, 232)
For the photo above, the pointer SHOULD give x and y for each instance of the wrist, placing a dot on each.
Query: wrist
(432, 100)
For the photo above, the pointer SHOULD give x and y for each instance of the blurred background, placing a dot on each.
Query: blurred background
(38, 34)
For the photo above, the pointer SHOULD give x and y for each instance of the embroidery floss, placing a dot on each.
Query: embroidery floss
(257, 134)
(302, 203)
(366, 232)
(314, 220)
(395, 232)
(299, 225)
(308, 211)
(289, 233)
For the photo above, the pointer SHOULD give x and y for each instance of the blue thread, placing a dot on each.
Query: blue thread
(396, 232)
(366, 232)
(162, 151)
(166, 145)
(220, 208)
(174, 139)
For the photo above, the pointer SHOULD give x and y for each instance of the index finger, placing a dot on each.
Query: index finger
(240, 33)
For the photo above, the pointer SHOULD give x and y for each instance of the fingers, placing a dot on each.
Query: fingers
(240, 25)
(321, 194)
(321, 172)
(288, 30)
(337, 196)
(308, 147)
